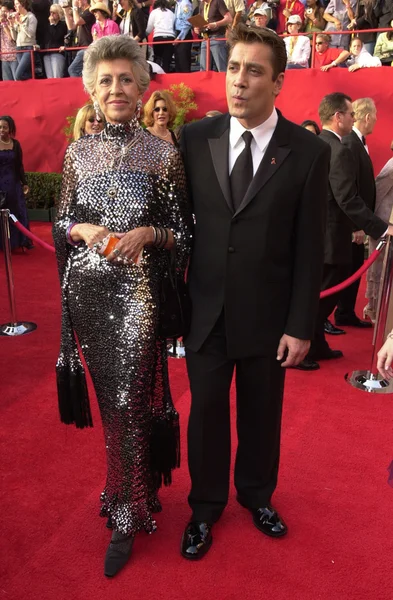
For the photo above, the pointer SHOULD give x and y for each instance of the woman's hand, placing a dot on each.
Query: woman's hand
(90, 234)
(131, 244)
(385, 357)
(26, 189)
(353, 68)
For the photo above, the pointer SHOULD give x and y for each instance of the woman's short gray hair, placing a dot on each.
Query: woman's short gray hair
(112, 47)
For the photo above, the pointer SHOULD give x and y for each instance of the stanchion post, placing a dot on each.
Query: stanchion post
(13, 328)
(176, 349)
(371, 381)
(207, 53)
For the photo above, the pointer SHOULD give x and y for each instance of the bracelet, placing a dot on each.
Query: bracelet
(334, 63)
(68, 235)
(166, 238)
(154, 235)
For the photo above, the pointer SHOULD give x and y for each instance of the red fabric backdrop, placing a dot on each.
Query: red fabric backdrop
(40, 107)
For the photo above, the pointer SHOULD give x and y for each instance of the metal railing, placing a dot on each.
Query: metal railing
(312, 34)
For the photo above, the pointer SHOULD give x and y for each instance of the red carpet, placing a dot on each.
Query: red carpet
(333, 492)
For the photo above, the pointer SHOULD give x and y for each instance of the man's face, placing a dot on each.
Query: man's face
(260, 20)
(250, 88)
(346, 119)
(371, 120)
(321, 45)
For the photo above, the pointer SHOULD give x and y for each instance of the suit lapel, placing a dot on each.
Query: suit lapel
(277, 151)
(219, 148)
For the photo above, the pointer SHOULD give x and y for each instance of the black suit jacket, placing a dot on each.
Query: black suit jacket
(263, 263)
(346, 208)
(365, 180)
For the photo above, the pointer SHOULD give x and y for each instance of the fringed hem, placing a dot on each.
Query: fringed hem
(130, 518)
(165, 448)
(73, 397)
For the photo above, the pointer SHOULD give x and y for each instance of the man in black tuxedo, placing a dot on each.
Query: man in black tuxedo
(365, 119)
(258, 184)
(345, 209)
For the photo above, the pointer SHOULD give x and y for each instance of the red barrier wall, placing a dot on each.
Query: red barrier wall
(40, 107)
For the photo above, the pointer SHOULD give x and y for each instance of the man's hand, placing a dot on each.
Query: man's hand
(297, 350)
(327, 67)
(358, 237)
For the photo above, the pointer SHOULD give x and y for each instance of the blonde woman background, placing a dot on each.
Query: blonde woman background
(86, 122)
(159, 116)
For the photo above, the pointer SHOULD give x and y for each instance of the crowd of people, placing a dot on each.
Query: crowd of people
(58, 28)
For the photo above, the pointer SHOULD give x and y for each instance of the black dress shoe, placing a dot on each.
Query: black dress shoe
(328, 355)
(353, 322)
(332, 330)
(267, 520)
(307, 365)
(196, 540)
(118, 553)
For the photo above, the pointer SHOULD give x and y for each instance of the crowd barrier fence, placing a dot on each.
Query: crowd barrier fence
(312, 35)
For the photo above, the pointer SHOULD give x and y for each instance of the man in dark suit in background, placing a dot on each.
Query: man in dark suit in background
(345, 209)
(365, 119)
(258, 184)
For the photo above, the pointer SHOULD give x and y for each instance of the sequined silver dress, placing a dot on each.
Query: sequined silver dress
(113, 308)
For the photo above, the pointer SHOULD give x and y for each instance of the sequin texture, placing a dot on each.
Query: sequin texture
(113, 308)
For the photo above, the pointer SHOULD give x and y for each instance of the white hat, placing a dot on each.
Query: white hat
(295, 19)
(262, 12)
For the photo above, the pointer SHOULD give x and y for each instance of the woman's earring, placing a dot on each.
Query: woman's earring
(96, 107)
(138, 109)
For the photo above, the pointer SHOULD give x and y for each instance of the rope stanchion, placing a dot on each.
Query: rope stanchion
(15, 327)
(176, 349)
(30, 235)
(357, 275)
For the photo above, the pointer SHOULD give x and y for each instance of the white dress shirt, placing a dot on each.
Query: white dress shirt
(300, 52)
(261, 138)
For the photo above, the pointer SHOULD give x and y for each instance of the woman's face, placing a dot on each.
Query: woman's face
(356, 47)
(4, 130)
(92, 125)
(55, 15)
(160, 113)
(293, 27)
(18, 7)
(99, 15)
(125, 4)
(311, 128)
(116, 90)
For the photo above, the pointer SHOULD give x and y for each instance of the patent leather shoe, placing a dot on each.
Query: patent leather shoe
(307, 365)
(353, 322)
(332, 329)
(267, 520)
(118, 553)
(196, 540)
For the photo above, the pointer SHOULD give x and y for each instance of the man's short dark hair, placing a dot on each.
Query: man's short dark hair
(332, 103)
(242, 34)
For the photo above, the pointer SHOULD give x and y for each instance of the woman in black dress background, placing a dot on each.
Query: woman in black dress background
(13, 184)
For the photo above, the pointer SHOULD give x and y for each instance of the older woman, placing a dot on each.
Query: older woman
(23, 27)
(159, 114)
(55, 62)
(86, 122)
(130, 184)
(298, 47)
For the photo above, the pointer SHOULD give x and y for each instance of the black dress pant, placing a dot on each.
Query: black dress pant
(163, 52)
(183, 55)
(259, 393)
(332, 275)
(347, 298)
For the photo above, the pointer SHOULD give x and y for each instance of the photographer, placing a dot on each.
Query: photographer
(7, 44)
(23, 27)
(55, 33)
(81, 20)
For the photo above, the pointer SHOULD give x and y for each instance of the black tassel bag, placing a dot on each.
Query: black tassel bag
(175, 303)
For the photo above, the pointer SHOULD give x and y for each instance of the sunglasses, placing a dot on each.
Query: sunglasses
(158, 108)
(319, 43)
(93, 120)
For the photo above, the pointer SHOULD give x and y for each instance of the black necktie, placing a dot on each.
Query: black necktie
(363, 140)
(242, 172)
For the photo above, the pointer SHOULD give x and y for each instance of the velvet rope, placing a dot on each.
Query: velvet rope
(334, 290)
(30, 235)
